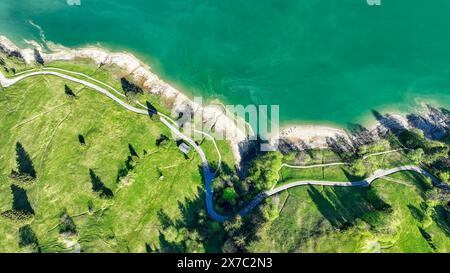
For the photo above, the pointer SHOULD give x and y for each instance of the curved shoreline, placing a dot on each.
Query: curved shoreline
(301, 135)
(208, 175)
(314, 136)
(139, 72)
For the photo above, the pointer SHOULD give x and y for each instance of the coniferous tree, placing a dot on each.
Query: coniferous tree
(25, 169)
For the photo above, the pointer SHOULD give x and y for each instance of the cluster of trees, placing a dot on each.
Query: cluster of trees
(264, 171)
(242, 231)
(420, 150)
(3, 63)
(67, 225)
(27, 238)
(232, 192)
(228, 190)
(194, 231)
(434, 154)
(130, 89)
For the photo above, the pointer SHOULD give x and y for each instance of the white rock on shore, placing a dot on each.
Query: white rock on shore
(314, 136)
(140, 73)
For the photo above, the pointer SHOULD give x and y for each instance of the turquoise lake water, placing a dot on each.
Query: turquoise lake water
(323, 61)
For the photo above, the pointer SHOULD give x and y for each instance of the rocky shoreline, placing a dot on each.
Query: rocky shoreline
(434, 122)
(141, 73)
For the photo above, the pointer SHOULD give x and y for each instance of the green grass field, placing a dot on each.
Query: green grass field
(326, 219)
(125, 193)
(342, 172)
(37, 114)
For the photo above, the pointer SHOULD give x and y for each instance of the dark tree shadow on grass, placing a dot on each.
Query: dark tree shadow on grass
(130, 88)
(148, 248)
(418, 180)
(326, 208)
(81, 140)
(28, 238)
(376, 201)
(99, 187)
(428, 238)
(224, 169)
(125, 169)
(442, 219)
(129, 164)
(340, 206)
(170, 247)
(132, 151)
(68, 91)
(38, 58)
(416, 213)
(164, 219)
(25, 169)
(162, 140)
(352, 177)
(21, 207)
(67, 225)
(151, 109)
(193, 219)
(20, 200)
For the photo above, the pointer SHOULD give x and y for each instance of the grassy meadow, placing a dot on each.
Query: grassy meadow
(396, 214)
(87, 175)
(113, 210)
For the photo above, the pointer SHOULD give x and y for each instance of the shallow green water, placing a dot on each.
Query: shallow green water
(327, 61)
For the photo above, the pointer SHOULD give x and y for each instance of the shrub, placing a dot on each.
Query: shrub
(264, 170)
(68, 91)
(427, 183)
(229, 195)
(416, 155)
(413, 139)
(28, 238)
(16, 215)
(444, 177)
(67, 225)
(81, 140)
(162, 141)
